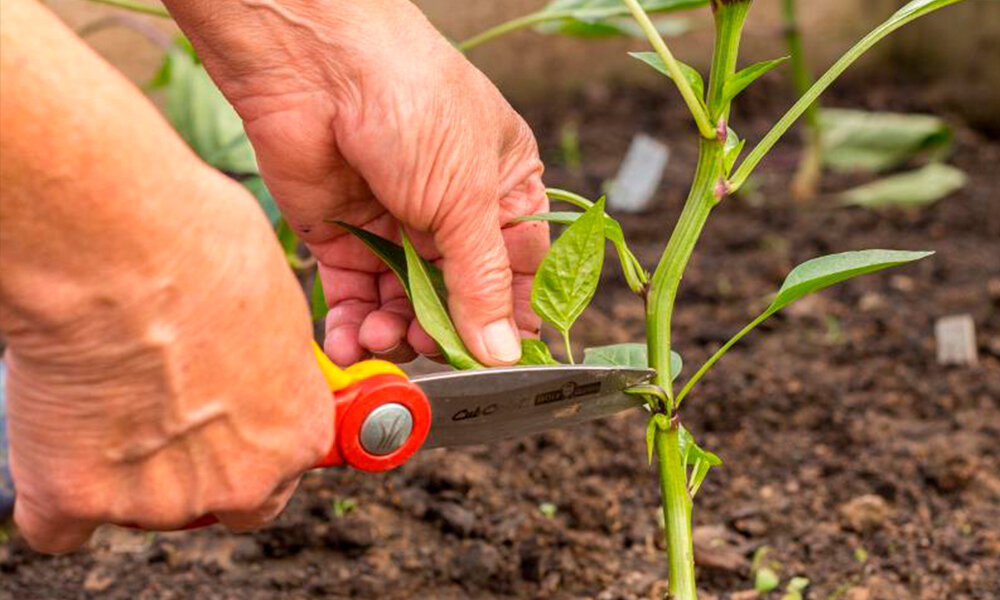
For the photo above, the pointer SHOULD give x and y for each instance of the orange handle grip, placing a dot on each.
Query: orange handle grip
(380, 422)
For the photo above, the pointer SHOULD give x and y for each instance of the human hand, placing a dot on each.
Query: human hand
(158, 347)
(362, 112)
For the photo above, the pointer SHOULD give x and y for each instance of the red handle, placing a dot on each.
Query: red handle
(396, 399)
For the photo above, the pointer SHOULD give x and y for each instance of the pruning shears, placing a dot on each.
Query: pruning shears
(383, 417)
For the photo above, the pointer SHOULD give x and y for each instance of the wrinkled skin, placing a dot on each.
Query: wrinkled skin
(158, 346)
(401, 129)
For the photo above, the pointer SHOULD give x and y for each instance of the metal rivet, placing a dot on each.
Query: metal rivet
(386, 429)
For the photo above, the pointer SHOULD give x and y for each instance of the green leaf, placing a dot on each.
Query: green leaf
(819, 273)
(744, 77)
(913, 10)
(255, 185)
(794, 588)
(650, 440)
(393, 255)
(535, 352)
(628, 355)
(917, 188)
(700, 460)
(732, 149)
(602, 18)
(856, 140)
(812, 276)
(201, 114)
(568, 276)
(765, 580)
(431, 313)
(690, 73)
(207, 122)
(317, 300)
(635, 274)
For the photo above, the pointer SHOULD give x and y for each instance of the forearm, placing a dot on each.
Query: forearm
(97, 192)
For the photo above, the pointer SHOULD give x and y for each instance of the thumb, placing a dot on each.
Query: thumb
(478, 276)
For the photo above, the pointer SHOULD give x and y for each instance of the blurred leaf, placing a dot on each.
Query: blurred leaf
(255, 184)
(855, 140)
(913, 189)
(394, 256)
(207, 122)
(431, 312)
(765, 580)
(201, 114)
(317, 300)
(744, 77)
(568, 276)
(535, 352)
(690, 73)
(606, 18)
(794, 588)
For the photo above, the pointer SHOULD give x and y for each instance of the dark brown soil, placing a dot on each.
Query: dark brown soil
(863, 464)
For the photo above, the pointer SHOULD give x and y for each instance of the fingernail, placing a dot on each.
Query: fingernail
(501, 341)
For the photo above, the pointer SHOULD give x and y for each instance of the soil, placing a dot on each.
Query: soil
(851, 457)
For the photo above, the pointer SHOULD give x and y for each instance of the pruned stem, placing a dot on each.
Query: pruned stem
(509, 26)
(569, 348)
(676, 504)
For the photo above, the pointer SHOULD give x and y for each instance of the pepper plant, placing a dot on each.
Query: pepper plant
(568, 276)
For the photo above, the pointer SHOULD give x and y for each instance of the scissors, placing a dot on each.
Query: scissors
(383, 417)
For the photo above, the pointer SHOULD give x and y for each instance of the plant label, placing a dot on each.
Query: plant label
(639, 175)
(956, 340)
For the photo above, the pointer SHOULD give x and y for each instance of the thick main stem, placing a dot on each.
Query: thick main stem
(676, 514)
(707, 190)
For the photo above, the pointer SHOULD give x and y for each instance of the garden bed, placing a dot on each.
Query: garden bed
(864, 465)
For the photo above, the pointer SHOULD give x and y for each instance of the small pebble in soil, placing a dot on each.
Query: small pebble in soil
(454, 518)
(865, 513)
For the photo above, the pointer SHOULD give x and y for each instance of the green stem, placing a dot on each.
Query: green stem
(676, 513)
(512, 25)
(569, 348)
(718, 354)
(139, 7)
(667, 277)
(695, 104)
(729, 20)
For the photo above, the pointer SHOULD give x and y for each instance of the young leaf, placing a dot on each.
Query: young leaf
(911, 11)
(690, 73)
(650, 440)
(393, 255)
(917, 188)
(743, 78)
(819, 273)
(857, 140)
(701, 461)
(535, 352)
(731, 151)
(812, 276)
(317, 300)
(431, 312)
(568, 276)
(628, 355)
(635, 275)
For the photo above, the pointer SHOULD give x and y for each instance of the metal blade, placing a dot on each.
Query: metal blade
(480, 407)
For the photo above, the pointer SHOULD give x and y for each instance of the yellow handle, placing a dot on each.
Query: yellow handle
(339, 379)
